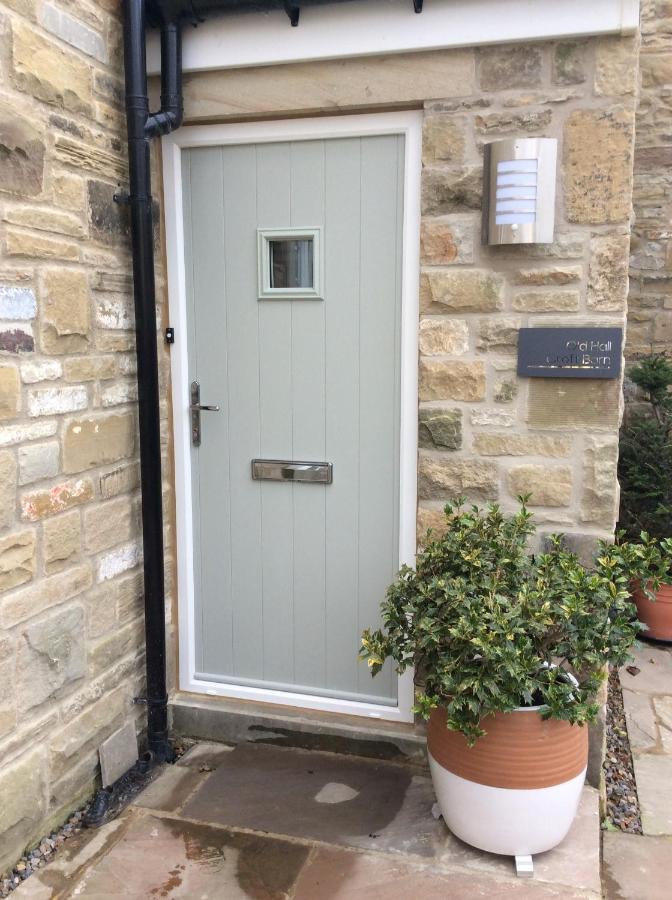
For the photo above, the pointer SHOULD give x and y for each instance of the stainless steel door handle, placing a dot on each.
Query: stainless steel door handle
(196, 408)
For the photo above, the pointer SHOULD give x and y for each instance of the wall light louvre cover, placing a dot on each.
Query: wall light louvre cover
(519, 191)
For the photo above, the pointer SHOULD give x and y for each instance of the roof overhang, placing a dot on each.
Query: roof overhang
(337, 29)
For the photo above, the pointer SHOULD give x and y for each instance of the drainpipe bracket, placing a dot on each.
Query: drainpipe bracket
(293, 12)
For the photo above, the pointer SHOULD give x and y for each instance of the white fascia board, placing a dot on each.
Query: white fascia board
(375, 27)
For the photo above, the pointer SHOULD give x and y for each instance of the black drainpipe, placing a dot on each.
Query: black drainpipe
(142, 127)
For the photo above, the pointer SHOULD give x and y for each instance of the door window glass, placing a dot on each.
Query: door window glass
(290, 266)
(291, 263)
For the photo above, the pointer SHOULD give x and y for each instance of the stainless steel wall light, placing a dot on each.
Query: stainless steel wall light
(519, 191)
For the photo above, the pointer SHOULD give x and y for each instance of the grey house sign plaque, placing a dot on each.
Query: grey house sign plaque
(570, 352)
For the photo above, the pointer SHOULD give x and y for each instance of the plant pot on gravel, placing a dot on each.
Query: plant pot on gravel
(509, 651)
(645, 476)
(654, 609)
(648, 562)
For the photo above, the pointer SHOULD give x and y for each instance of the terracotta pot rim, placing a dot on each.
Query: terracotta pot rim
(656, 614)
(636, 584)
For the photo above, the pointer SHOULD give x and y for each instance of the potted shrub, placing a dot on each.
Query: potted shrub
(509, 651)
(645, 475)
(648, 564)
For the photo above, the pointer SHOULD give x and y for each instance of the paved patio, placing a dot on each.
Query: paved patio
(638, 867)
(263, 822)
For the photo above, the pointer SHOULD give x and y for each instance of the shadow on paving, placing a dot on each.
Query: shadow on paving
(318, 796)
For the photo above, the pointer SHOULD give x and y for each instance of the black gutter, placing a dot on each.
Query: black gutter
(141, 128)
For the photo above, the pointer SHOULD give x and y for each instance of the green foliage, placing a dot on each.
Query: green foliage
(489, 628)
(654, 375)
(647, 560)
(645, 453)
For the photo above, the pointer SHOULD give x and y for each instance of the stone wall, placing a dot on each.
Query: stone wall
(485, 433)
(70, 583)
(70, 586)
(650, 296)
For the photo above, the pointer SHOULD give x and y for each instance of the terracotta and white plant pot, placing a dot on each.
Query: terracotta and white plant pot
(656, 614)
(517, 790)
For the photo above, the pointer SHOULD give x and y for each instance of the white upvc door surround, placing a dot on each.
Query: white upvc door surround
(375, 27)
(408, 124)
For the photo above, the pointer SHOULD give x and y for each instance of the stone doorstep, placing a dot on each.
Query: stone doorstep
(226, 721)
(234, 722)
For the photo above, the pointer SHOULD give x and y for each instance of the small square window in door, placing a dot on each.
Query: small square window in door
(290, 264)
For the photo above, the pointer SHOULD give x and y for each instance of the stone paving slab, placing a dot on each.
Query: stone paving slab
(73, 857)
(575, 862)
(344, 827)
(641, 721)
(343, 875)
(636, 867)
(205, 754)
(647, 700)
(655, 675)
(169, 791)
(321, 796)
(653, 774)
(165, 856)
(663, 709)
(371, 806)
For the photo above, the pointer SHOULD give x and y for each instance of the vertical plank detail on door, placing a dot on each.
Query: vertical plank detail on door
(192, 355)
(240, 223)
(308, 426)
(209, 367)
(379, 386)
(342, 243)
(275, 400)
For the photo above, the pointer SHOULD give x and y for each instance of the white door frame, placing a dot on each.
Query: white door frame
(410, 125)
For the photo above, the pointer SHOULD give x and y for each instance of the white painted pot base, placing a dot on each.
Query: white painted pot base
(508, 821)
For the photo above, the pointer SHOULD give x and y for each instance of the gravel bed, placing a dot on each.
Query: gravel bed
(622, 812)
(128, 787)
(40, 855)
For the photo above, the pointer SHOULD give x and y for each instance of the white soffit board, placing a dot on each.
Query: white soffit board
(374, 27)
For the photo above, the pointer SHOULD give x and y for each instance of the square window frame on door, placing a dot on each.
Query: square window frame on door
(408, 124)
(268, 236)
